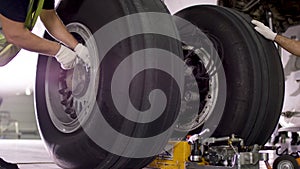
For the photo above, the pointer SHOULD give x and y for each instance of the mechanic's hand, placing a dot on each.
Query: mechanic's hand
(83, 53)
(264, 30)
(66, 57)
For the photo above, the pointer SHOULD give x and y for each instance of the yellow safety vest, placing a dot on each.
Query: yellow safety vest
(32, 14)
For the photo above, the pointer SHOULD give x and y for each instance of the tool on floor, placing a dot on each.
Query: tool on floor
(211, 153)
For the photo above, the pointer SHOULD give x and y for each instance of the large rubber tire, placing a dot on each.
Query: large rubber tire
(76, 149)
(253, 69)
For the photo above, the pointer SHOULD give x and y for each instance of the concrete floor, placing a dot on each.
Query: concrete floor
(31, 154)
(28, 154)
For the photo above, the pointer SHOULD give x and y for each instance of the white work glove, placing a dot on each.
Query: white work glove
(66, 57)
(264, 30)
(83, 53)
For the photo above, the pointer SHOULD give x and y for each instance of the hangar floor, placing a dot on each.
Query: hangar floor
(31, 154)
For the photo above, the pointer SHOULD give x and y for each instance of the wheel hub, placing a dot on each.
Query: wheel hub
(71, 97)
(197, 61)
(285, 165)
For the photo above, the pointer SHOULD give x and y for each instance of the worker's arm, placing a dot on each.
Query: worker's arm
(17, 34)
(56, 28)
(292, 46)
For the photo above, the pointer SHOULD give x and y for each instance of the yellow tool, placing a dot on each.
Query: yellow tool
(175, 156)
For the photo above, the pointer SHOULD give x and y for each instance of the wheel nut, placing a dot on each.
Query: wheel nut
(73, 115)
(69, 110)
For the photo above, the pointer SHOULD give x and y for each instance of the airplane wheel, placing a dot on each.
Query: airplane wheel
(70, 103)
(253, 70)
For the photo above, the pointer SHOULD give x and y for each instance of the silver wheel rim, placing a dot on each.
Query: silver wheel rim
(81, 81)
(285, 165)
(212, 95)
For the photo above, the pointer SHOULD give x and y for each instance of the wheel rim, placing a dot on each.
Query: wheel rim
(285, 165)
(206, 77)
(71, 96)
